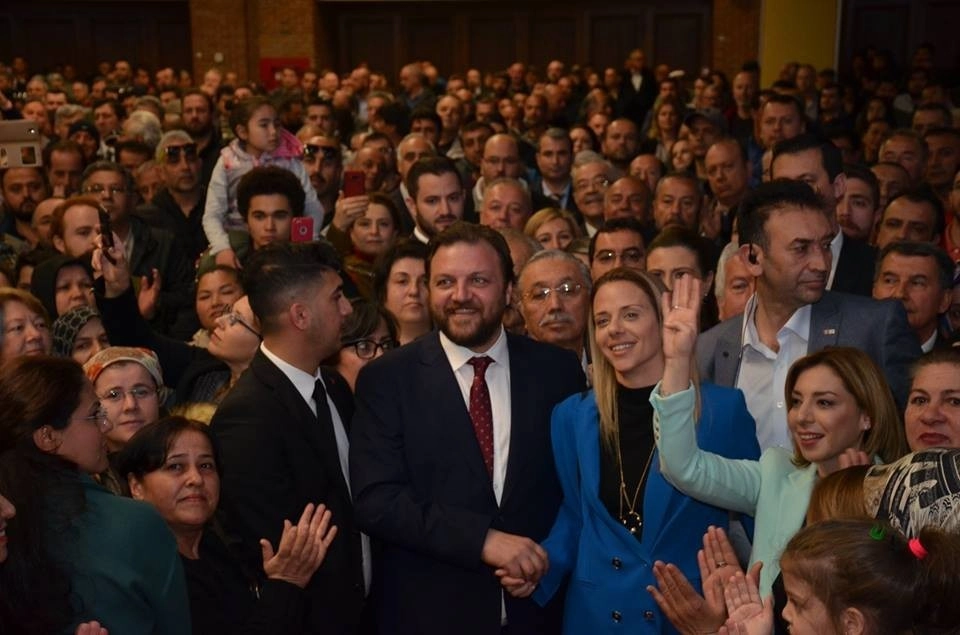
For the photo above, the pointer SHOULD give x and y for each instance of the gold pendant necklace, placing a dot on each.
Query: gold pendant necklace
(632, 519)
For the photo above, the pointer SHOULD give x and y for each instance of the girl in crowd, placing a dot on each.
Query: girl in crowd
(617, 507)
(838, 400)
(371, 234)
(174, 466)
(79, 334)
(26, 327)
(678, 251)
(665, 125)
(858, 577)
(400, 282)
(553, 228)
(217, 289)
(261, 141)
(367, 333)
(75, 551)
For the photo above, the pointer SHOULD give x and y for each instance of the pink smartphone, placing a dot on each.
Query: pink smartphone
(301, 229)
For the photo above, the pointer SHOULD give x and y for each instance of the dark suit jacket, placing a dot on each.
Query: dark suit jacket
(634, 104)
(421, 488)
(407, 220)
(855, 268)
(276, 459)
(877, 327)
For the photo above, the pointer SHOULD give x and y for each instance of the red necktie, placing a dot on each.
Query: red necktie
(481, 413)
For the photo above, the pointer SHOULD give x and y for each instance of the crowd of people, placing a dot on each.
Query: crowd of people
(535, 351)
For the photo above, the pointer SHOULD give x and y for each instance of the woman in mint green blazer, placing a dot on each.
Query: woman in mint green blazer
(838, 401)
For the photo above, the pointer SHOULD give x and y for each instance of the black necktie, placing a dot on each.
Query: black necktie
(323, 408)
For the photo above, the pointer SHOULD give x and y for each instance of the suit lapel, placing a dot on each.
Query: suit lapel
(824, 323)
(449, 412)
(321, 439)
(727, 356)
(522, 414)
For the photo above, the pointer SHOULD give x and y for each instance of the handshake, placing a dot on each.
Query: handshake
(518, 561)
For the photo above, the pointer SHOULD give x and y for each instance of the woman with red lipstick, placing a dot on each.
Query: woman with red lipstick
(174, 465)
(76, 551)
(838, 400)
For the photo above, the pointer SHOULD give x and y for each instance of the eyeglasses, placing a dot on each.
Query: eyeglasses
(173, 153)
(564, 290)
(311, 150)
(366, 348)
(598, 182)
(99, 189)
(628, 257)
(99, 418)
(232, 317)
(139, 393)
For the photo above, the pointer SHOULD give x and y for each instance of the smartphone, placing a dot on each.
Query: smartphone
(20, 144)
(301, 229)
(354, 183)
(106, 234)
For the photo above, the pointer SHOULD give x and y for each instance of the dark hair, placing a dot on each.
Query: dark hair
(463, 232)
(737, 143)
(365, 319)
(117, 107)
(868, 565)
(945, 265)
(426, 113)
(830, 158)
(923, 194)
(936, 107)
(107, 166)
(134, 146)
(473, 126)
(278, 271)
(395, 114)
(63, 146)
(379, 198)
(267, 180)
(624, 224)
(37, 391)
(863, 173)
(227, 269)
(405, 248)
(676, 236)
(936, 356)
(760, 202)
(942, 132)
(437, 166)
(243, 110)
(147, 450)
(786, 100)
(200, 93)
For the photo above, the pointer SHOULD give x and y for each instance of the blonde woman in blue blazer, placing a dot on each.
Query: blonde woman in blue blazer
(606, 547)
(838, 400)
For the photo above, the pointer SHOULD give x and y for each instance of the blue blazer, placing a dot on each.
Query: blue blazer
(609, 569)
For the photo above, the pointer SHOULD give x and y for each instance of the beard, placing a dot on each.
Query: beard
(24, 213)
(469, 333)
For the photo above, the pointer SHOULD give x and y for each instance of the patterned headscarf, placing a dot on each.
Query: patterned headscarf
(920, 490)
(67, 326)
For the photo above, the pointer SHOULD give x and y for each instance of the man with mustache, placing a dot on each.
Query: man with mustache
(785, 231)
(450, 458)
(592, 175)
(554, 292)
(22, 190)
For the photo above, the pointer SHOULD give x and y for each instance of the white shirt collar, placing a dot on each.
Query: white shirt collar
(305, 383)
(458, 355)
(927, 346)
(798, 324)
(835, 246)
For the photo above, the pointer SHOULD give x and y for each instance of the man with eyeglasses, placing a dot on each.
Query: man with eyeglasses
(619, 243)
(178, 207)
(156, 259)
(554, 291)
(592, 175)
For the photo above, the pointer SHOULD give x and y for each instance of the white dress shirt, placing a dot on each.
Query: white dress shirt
(498, 383)
(835, 246)
(763, 373)
(305, 383)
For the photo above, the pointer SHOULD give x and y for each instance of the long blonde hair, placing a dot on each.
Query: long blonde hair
(604, 376)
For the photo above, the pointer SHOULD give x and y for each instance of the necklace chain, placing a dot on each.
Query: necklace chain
(632, 520)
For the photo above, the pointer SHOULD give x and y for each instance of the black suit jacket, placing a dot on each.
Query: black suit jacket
(634, 104)
(276, 459)
(421, 488)
(855, 268)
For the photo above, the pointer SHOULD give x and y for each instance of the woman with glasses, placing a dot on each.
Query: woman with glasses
(619, 515)
(76, 551)
(367, 333)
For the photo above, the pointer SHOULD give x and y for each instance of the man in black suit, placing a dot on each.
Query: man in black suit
(282, 429)
(451, 463)
(638, 89)
(819, 164)
(553, 187)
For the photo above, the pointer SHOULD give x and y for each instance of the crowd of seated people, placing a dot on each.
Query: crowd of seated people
(538, 350)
